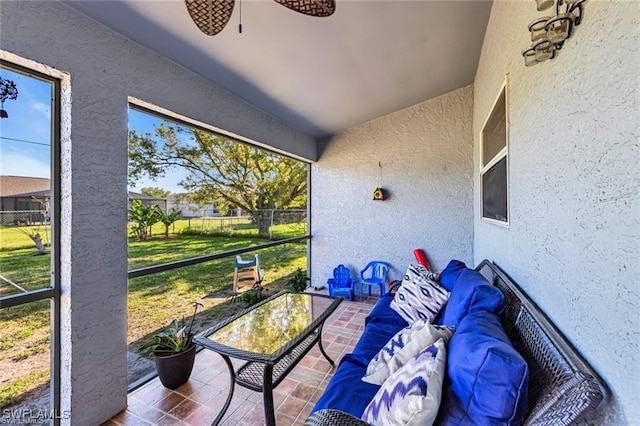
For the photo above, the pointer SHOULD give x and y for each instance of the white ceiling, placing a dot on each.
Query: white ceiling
(320, 75)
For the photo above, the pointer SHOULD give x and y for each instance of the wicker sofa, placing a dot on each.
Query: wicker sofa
(562, 388)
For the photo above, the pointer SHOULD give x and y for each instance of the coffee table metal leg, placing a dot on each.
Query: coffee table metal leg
(232, 383)
(321, 348)
(267, 395)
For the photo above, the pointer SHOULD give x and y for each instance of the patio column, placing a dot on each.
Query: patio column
(94, 255)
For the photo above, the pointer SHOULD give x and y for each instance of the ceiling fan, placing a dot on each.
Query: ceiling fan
(211, 16)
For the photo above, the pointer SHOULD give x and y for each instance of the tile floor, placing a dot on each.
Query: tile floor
(199, 400)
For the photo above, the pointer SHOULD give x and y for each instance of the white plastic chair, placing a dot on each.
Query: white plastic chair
(246, 273)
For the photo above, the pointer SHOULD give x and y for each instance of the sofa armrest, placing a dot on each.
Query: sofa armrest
(333, 417)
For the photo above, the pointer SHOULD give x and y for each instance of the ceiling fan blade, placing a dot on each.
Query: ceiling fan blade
(210, 16)
(320, 8)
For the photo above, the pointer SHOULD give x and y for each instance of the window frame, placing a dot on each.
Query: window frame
(162, 113)
(53, 292)
(502, 154)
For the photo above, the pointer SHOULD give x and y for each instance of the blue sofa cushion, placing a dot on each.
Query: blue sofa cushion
(471, 291)
(346, 391)
(487, 380)
(450, 274)
(383, 314)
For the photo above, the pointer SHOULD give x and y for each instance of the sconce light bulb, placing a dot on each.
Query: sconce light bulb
(558, 29)
(543, 4)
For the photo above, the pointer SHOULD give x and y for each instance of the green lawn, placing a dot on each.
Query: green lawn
(13, 237)
(153, 300)
(156, 299)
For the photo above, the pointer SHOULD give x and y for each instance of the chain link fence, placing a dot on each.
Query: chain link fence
(24, 217)
(284, 217)
(205, 223)
(274, 223)
(281, 223)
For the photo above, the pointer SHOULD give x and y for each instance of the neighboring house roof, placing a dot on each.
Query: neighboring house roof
(36, 194)
(138, 196)
(47, 193)
(179, 198)
(182, 200)
(21, 185)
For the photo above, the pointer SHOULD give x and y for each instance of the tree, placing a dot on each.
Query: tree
(34, 234)
(155, 192)
(168, 218)
(221, 170)
(144, 217)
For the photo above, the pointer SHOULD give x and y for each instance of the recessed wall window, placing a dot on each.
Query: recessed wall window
(494, 170)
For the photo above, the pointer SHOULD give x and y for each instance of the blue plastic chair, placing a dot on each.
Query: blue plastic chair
(341, 284)
(375, 273)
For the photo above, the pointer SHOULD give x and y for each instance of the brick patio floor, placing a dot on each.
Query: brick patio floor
(199, 400)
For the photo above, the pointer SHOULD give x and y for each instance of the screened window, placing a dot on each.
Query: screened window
(29, 259)
(196, 196)
(494, 165)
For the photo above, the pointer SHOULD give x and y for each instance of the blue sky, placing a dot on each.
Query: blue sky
(145, 123)
(25, 136)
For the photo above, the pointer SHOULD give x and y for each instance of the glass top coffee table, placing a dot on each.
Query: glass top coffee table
(272, 337)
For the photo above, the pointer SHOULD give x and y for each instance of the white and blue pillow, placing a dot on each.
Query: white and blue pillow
(419, 296)
(426, 273)
(411, 395)
(403, 346)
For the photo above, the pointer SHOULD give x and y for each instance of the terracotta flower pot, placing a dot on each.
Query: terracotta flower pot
(174, 370)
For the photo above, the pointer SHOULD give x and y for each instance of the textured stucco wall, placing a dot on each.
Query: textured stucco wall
(425, 152)
(104, 70)
(574, 174)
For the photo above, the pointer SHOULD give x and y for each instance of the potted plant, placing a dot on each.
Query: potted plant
(174, 352)
(298, 282)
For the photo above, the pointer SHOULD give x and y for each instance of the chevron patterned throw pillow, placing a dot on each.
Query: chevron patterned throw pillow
(411, 395)
(402, 347)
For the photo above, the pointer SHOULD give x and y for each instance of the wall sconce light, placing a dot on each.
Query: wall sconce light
(549, 33)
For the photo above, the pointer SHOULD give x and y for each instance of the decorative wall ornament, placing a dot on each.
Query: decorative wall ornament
(8, 91)
(549, 33)
(378, 194)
